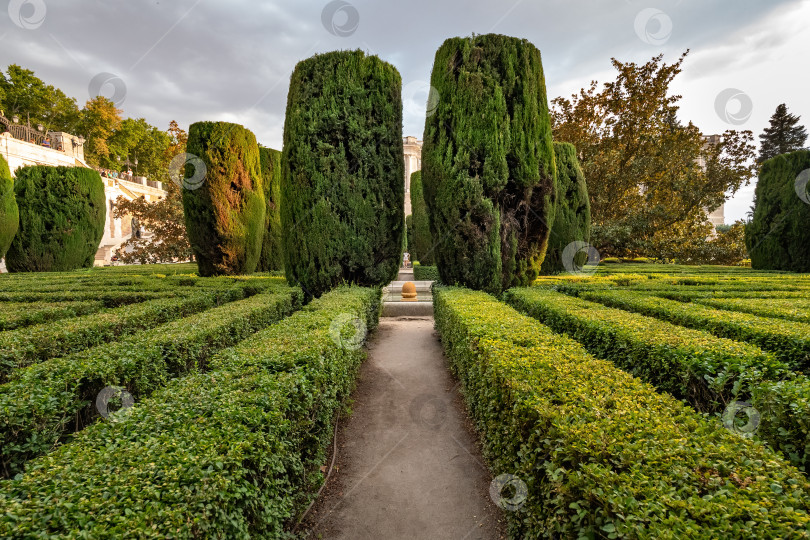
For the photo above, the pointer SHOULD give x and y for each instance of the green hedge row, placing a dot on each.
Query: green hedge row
(19, 314)
(602, 454)
(708, 371)
(687, 296)
(788, 340)
(425, 273)
(26, 346)
(694, 365)
(777, 308)
(230, 453)
(108, 298)
(50, 400)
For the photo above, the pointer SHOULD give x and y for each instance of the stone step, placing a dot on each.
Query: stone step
(407, 309)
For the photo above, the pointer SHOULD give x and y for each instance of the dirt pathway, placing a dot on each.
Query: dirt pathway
(408, 465)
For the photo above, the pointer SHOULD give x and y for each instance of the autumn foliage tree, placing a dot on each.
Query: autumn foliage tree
(651, 178)
(166, 240)
(162, 222)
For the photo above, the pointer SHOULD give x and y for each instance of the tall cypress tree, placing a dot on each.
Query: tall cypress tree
(778, 236)
(271, 258)
(572, 217)
(784, 135)
(488, 162)
(9, 213)
(342, 194)
(421, 248)
(225, 214)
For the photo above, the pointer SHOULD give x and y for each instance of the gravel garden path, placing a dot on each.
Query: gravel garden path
(408, 464)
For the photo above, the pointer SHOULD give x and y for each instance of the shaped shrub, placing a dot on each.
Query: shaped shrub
(342, 186)
(62, 212)
(778, 237)
(572, 216)
(488, 162)
(272, 257)
(225, 214)
(9, 214)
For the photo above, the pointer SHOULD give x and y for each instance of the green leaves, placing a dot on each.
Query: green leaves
(604, 453)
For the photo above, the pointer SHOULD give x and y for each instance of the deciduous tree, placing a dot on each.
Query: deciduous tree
(651, 178)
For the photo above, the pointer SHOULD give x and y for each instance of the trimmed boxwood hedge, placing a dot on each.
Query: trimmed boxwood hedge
(225, 215)
(272, 257)
(48, 401)
(230, 453)
(9, 213)
(708, 371)
(788, 340)
(20, 314)
(694, 365)
(488, 167)
(602, 454)
(572, 216)
(342, 187)
(778, 308)
(26, 346)
(425, 273)
(778, 236)
(62, 213)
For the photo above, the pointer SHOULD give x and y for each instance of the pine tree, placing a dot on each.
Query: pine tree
(783, 136)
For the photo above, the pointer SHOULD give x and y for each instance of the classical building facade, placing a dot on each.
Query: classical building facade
(718, 216)
(64, 149)
(413, 162)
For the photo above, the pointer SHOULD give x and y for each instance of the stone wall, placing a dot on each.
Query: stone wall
(19, 153)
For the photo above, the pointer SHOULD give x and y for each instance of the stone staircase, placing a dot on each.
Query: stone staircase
(394, 306)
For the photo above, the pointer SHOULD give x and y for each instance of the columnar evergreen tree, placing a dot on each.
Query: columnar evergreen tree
(409, 235)
(778, 237)
(272, 257)
(572, 217)
(488, 162)
(422, 248)
(9, 213)
(342, 191)
(225, 214)
(784, 135)
(62, 212)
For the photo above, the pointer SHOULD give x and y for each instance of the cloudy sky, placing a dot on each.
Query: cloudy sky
(192, 60)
